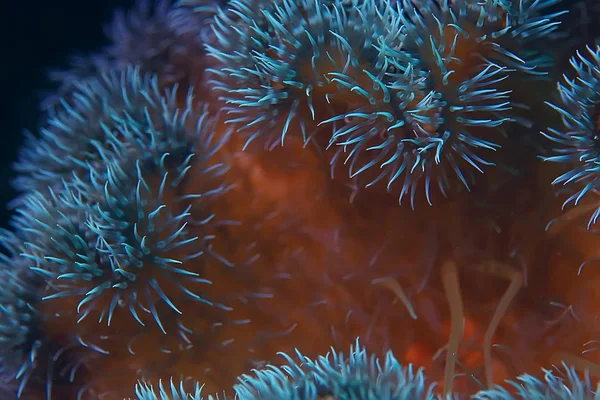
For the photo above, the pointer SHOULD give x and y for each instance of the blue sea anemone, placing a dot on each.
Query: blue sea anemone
(21, 340)
(564, 384)
(445, 99)
(138, 231)
(58, 241)
(111, 212)
(120, 229)
(277, 61)
(80, 137)
(577, 142)
(358, 377)
(512, 30)
(145, 391)
(437, 111)
(117, 225)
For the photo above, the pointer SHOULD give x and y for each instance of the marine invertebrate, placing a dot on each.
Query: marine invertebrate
(416, 137)
(120, 247)
(355, 72)
(353, 378)
(357, 376)
(562, 384)
(31, 363)
(459, 52)
(147, 392)
(413, 110)
(101, 252)
(20, 337)
(577, 141)
(81, 136)
(165, 190)
(361, 375)
(271, 71)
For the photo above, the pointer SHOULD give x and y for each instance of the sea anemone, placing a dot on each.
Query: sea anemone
(81, 136)
(102, 248)
(577, 140)
(422, 127)
(145, 391)
(357, 376)
(366, 377)
(128, 231)
(188, 236)
(360, 79)
(563, 384)
(277, 63)
(20, 336)
(457, 51)
(445, 100)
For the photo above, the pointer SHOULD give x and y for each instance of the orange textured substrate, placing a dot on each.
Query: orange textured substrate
(315, 264)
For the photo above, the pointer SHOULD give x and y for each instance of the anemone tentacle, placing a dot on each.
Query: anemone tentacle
(121, 228)
(505, 30)
(435, 111)
(197, 16)
(145, 391)
(562, 384)
(577, 143)
(274, 60)
(356, 376)
(81, 136)
(115, 220)
(20, 336)
(138, 232)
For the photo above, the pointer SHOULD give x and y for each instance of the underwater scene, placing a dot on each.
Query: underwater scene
(312, 200)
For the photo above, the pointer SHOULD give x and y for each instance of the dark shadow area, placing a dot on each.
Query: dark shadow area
(40, 36)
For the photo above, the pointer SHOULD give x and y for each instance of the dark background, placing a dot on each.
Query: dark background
(41, 35)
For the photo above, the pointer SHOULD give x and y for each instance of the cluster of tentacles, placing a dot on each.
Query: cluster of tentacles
(228, 183)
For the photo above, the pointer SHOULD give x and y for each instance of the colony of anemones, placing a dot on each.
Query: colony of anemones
(222, 190)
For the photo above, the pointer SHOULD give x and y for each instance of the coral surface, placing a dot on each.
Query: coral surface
(233, 194)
